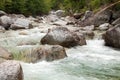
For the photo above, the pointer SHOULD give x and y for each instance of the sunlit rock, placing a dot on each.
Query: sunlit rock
(21, 24)
(11, 70)
(5, 21)
(62, 36)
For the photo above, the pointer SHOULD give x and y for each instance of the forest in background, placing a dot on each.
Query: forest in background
(39, 7)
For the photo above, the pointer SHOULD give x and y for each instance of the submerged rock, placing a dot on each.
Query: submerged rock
(112, 37)
(88, 34)
(46, 52)
(5, 54)
(62, 36)
(11, 70)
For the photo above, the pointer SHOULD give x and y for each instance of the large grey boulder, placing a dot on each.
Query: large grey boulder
(103, 17)
(62, 36)
(11, 70)
(21, 24)
(5, 21)
(112, 37)
(46, 52)
(97, 19)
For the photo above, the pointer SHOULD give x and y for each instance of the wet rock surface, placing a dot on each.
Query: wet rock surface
(11, 70)
(46, 52)
(5, 54)
(57, 32)
(112, 37)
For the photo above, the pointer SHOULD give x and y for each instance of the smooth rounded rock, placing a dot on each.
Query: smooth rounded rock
(62, 36)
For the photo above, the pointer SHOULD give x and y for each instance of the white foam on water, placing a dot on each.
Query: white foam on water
(93, 61)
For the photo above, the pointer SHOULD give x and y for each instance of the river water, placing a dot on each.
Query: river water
(93, 61)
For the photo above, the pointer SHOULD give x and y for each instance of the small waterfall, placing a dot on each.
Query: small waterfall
(93, 61)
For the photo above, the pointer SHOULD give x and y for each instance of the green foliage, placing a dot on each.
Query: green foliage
(38, 7)
(72, 6)
(27, 7)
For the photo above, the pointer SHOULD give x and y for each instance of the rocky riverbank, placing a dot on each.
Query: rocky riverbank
(34, 39)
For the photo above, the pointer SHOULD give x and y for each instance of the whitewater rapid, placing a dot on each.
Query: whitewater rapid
(93, 61)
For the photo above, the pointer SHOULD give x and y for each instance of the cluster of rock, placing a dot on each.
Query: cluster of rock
(46, 52)
(9, 69)
(107, 20)
(12, 21)
(57, 38)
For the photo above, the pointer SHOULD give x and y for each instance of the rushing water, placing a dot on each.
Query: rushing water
(93, 61)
